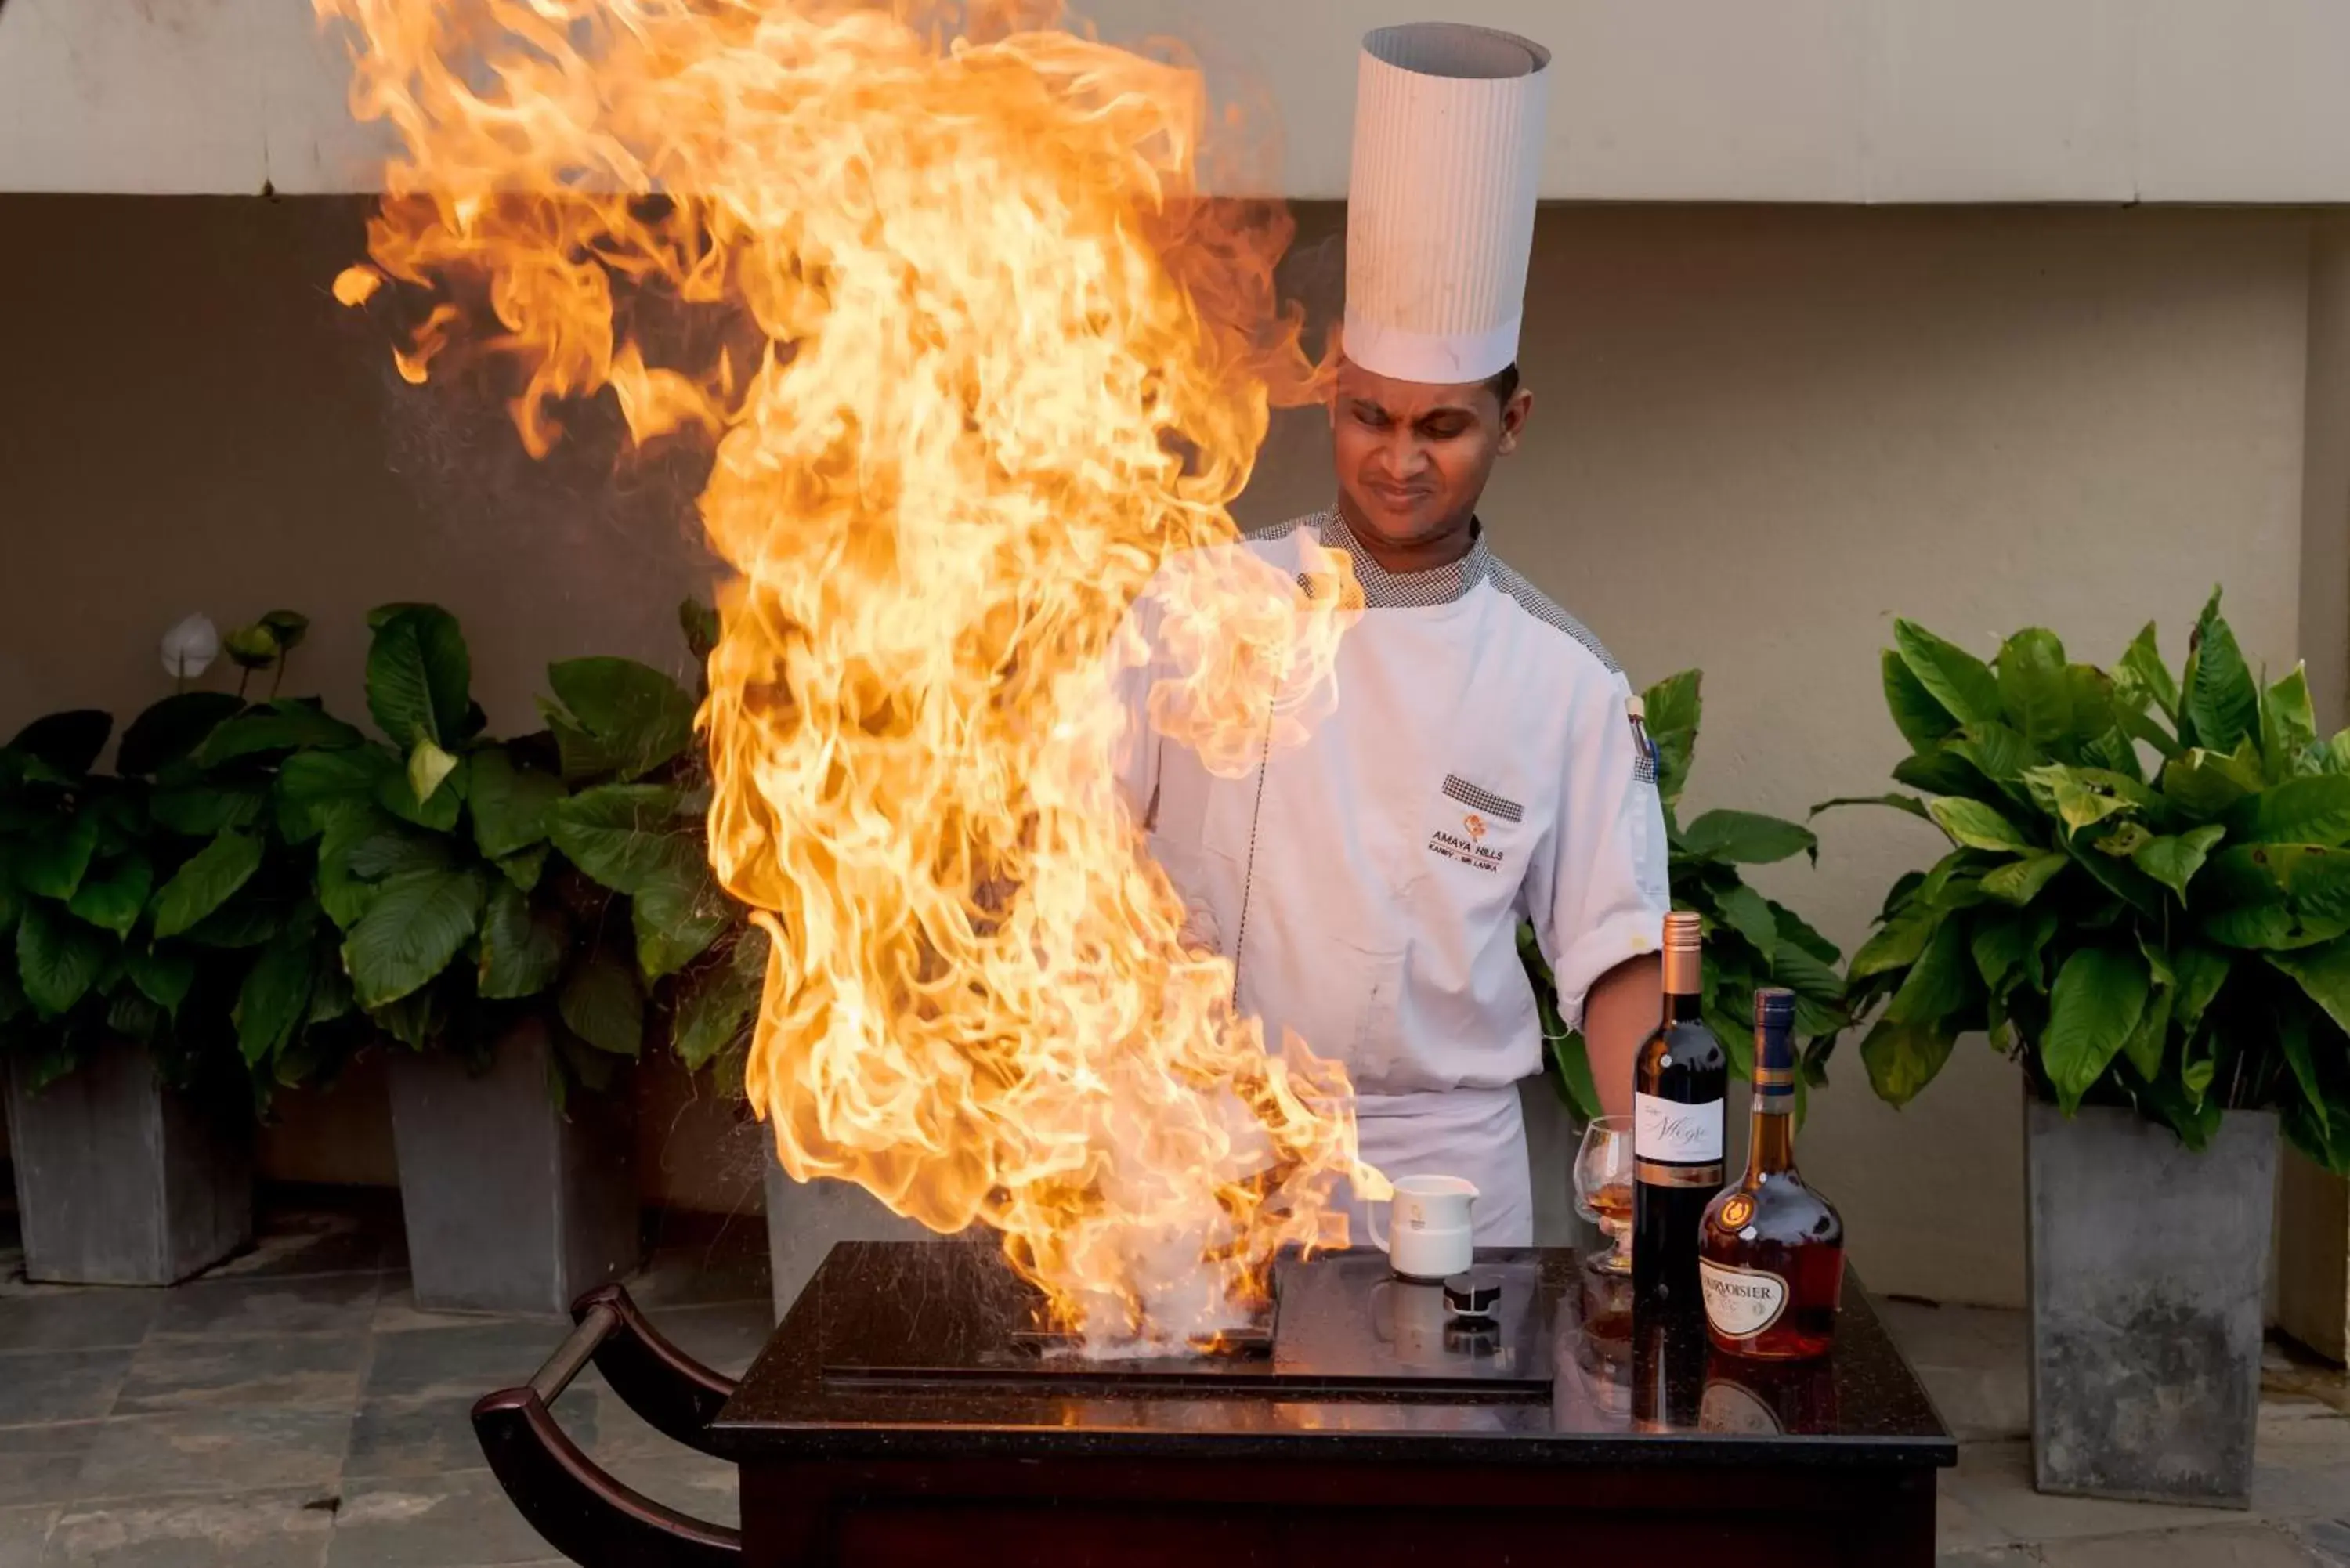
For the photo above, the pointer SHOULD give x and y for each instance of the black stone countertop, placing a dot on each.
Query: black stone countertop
(913, 1348)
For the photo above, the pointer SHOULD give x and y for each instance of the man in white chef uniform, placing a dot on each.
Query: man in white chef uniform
(1484, 762)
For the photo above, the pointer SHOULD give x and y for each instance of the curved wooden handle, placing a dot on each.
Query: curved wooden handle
(580, 1510)
(577, 1507)
(674, 1393)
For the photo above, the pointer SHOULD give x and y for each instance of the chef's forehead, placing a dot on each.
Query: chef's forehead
(1406, 400)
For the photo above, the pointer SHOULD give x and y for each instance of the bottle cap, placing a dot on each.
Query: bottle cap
(1684, 932)
(1774, 1047)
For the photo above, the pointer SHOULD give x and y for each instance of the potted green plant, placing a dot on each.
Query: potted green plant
(165, 968)
(2147, 907)
(1751, 941)
(474, 944)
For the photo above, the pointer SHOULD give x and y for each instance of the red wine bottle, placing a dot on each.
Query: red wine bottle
(1678, 1104)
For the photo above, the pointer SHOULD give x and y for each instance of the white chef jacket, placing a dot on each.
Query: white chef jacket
(1480, 766)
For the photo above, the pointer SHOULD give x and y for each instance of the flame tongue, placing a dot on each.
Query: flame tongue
(1008, 369)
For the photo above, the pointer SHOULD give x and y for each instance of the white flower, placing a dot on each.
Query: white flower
(190, 648)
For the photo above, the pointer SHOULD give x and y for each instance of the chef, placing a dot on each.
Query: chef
(1484, 762)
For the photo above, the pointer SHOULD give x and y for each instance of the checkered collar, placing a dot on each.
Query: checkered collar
(1383, 589)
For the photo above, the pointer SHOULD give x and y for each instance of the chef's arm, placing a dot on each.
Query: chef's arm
(1623, 1008)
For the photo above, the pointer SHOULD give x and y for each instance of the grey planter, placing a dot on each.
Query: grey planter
(805, 1218)
(2147, 1264)
(122, 1181)
(511, 1205)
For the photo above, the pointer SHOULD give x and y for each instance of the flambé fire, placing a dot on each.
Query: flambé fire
(992, 366)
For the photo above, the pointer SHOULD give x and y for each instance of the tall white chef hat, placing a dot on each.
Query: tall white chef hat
(1441, 204)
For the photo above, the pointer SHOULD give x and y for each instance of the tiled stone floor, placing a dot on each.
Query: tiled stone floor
(294, 1409)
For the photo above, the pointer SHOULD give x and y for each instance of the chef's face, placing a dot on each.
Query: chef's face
(1413, 458)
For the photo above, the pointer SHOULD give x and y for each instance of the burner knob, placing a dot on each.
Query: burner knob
(1476, 1294)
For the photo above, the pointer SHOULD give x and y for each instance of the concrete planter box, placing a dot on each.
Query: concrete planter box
(805, 1218)
(511, 1205)
(2147, 1264)
(122, 1181)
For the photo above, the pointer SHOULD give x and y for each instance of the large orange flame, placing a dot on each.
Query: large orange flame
(998, 367)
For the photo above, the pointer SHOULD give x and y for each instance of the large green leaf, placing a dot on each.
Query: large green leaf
(2173, 860)
(2201, 972)
(283, 726)
(2314, 809)
(1978, 826)
(2292, 1031)
(602, 1003)
(509, 801)
(2020, 881)
(2275, 896)
(271, 1003)
(203, 810)
(1903, 1058)
(115, 896)
(1940, 983)
(1921, 720)
(171, 728)
(313, 785)
(68, 742)
(2099, 996)
(53, 862)
(1897, 942)
(344, 895)
(2207, 784)
(410, 932)
(1746, 837)
(1963, 684)
(522, 948)
(2008, 949)
(2032, 688)
(2220, 701)
(715, 1006)
(2144, 1048)
(419, 677)
(2288, 724)
(2142, 669)
(678, 912)
(163, 974)
(205, 881)
(1940, 771)
(1670, 710)
(618, 716)
(2324, 973)
(58, 957)
(1998, 752)
(617, 833)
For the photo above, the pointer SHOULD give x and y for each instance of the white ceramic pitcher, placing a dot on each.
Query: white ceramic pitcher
(1431, 1236)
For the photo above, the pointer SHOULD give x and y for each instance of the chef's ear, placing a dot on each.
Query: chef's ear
(1516, 412)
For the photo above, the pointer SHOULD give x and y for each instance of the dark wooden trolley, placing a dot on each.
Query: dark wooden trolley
(906, 1410)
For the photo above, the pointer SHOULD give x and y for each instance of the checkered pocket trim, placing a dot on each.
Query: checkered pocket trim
(1476, 799)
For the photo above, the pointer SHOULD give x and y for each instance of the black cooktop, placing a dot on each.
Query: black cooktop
(1340, 1324)
(907, 1347)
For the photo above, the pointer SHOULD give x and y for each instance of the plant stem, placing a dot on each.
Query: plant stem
(242, 675)
(278, 675)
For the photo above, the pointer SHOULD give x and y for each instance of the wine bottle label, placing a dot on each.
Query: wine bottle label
(1740, 1302)
(1676, 1134)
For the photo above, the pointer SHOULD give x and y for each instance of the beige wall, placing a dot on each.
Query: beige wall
(1761, 434)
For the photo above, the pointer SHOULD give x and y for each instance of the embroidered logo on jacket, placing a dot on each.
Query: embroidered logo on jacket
(1468, 844)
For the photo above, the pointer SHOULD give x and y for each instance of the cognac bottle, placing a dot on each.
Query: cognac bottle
(1773, 1262)
(1676, 1137)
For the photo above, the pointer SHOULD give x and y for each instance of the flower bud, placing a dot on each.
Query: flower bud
(190, 648)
